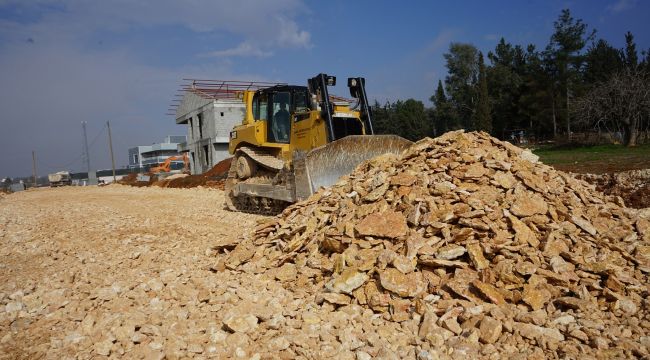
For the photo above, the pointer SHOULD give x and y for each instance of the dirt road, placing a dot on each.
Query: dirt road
(82, 266)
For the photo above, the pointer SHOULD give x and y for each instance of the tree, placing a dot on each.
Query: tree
(622, 103)
(407, 119)
(504, 79)
(601, 61)
(630, 55)
(411, 119)
(569, 38)
(442, 114)
(483, 119)
(381, 118)
(462, 64)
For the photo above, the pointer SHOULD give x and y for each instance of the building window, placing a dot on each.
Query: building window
(135, 158)
(206, 151)
(200, 116)
(222, 113)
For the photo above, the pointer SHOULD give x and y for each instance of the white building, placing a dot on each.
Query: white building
(146, 156)
(210, 109)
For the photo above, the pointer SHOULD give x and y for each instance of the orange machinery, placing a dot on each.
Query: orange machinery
(166, 166)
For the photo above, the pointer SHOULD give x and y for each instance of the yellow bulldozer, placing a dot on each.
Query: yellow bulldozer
(295, 139)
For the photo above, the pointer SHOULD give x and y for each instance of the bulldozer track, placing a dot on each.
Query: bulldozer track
(249, 203)
(262, 157)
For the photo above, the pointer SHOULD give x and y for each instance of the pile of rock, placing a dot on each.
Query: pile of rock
(632, 186)
(489, 251)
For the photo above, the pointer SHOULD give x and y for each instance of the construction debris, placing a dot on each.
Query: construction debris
(632, 186)
(474, 247)
(214, 178)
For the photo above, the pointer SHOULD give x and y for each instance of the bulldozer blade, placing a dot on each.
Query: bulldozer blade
(323, 166)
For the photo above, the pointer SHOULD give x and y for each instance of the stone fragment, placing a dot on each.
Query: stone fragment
(490, 330)
(643, 228)
(362, 355)
(539, 333)
(450, 252)
(347, 281)
(404, 264)
(584, 224)
(403, 179)
(13, 306)
(240, 323)
(536, 298)
(404, 285)
(559, 265)
(504, 179)
(523, 234)
(476, 256)
(489, 291)
(528, 204)
(103, 347)
(528, 156)
(475, 170)
(387, 224)
(337, 299)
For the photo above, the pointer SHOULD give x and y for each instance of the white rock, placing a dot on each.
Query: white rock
(13, 306)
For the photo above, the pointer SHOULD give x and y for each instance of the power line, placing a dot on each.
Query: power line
(65, 166)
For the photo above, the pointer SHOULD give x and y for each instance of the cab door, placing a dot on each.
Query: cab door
(308, 129)
(279, 118)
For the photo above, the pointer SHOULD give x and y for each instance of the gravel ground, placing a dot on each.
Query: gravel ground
(82, 268)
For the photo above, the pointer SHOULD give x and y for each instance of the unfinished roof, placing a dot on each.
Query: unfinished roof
(195, 93)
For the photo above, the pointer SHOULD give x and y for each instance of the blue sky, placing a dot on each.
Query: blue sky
(66, 61)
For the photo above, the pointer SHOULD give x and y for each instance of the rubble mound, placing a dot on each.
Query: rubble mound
(632, 186)
(488, 251)
(132, 180)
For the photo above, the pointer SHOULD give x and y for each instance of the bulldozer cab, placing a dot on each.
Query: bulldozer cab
(278, 106)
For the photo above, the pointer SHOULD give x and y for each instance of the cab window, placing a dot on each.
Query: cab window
(280, 124)
(260, 102)
(300, 101)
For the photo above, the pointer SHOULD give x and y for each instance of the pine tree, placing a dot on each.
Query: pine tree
(462, 63)
(483, 119)
(444, 116)
(631, 56)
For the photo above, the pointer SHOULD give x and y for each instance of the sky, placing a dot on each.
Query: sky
(67, 61)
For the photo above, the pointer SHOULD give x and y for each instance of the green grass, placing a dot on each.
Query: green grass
(596, 159)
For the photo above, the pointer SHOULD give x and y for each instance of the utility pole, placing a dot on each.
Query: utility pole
(110, 146)
(34, 167)
(83, 125)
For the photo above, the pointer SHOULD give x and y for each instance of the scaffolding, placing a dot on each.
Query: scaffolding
(216, 90)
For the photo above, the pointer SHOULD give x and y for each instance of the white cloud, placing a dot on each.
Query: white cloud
(622, 5)
(441, 41)
(260, 23)
(243, 49)
(51, 84)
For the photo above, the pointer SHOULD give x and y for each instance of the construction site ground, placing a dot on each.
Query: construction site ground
(140, 272)
(93, 259)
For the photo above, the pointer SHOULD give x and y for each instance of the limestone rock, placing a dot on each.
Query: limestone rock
(528, 205)
(405, 285)
(347, 281)
(388, 224)
(450, 252)
(490, 330)
(240, 323)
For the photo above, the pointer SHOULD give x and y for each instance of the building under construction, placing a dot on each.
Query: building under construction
(210, 109)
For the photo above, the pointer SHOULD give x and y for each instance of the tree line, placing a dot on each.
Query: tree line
(577, 83)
